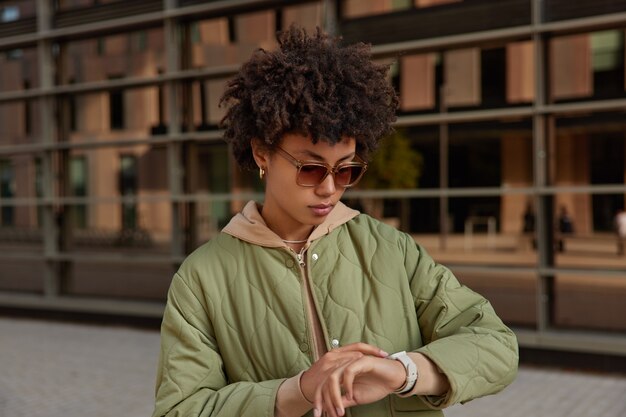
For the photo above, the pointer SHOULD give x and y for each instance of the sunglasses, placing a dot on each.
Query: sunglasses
(313, 173)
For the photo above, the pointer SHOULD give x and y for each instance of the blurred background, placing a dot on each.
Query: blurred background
(507, 164)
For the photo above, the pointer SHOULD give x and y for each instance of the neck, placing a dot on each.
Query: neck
(291, 233)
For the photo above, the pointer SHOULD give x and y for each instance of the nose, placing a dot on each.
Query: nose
(327, 187)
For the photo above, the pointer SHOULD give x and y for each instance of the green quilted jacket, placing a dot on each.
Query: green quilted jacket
(236, 326)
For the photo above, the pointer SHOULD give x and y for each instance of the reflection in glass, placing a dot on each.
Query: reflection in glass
(494, 230)
(308, 16)
(124, 228)
(490, 154)
(118, 113)
(19, 122)
(599, 61)
(589, 150)
(229, 41)
(120, 280)
(512, 294)
(590, 301)
(7, 192)
(132, 54)
(63, 5)
(118, 172)
(359, 8)
(21, 275)
(19, 227)
(586, 230)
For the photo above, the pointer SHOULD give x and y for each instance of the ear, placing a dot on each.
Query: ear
(260, 153)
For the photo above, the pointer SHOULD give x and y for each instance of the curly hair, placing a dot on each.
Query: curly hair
(311, 85)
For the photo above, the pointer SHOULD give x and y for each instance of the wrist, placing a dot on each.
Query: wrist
(304, 393)
(399, 376)
(410, 372)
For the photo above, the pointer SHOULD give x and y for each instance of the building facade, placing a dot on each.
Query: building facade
(112, 166)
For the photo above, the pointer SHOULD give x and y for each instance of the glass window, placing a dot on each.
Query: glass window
(9, 14)
(492, 77)
(138, 227)
(78, 184)
(13, 10)
(18, 181)
(607, 49)
(308, 16)
(488, 230)
(7, 192)
(512, 294)
(520, 72)
(589, 149)
(462, 75)
(590, 301)
(490, 154)
(206, 95)
(19, 69)
(132, 54)
(18, 122)
(422, 154)
(39, 188)
(229, 41)
(418, 82)
(586, 230)
(430, 3)
(117, 110)
(128, 187)
(359, 8)
(21, 275)
(78, 4)
(120, 280)
(570, 67)
(129, 113)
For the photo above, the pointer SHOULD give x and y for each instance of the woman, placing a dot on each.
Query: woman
(293, 307)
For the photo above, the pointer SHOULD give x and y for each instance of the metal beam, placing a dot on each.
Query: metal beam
(83, 304)
(575, 341)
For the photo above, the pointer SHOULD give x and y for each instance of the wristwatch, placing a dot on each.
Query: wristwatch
(411, 371)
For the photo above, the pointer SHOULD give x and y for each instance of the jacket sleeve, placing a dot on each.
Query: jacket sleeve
(191, 381)
(461, 332)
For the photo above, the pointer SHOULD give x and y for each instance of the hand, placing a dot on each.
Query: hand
(364, 380)
(336, 359)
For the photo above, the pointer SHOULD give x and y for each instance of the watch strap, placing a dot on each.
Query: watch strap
(411, 371)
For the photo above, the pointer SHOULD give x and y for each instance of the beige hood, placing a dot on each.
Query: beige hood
(250, 226)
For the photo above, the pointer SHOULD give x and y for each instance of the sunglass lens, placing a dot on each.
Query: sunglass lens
(311, 174)
(348, 175)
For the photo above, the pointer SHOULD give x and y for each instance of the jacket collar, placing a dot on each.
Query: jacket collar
(250, 226)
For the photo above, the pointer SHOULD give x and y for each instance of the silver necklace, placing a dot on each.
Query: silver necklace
(294, 241)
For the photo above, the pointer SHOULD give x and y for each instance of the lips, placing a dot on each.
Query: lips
(321, 209)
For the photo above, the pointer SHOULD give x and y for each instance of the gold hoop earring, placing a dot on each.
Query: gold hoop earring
(261, 173)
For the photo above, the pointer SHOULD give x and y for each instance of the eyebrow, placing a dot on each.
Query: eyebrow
(311, 154)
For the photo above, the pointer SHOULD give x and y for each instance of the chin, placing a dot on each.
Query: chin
(315, 220)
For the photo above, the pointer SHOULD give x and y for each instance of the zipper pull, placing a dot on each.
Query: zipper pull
(300, 259)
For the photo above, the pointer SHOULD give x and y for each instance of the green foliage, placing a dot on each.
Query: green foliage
(395, 164)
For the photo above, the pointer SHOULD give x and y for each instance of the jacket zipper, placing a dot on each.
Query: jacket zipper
(311, 309)
(308, 299)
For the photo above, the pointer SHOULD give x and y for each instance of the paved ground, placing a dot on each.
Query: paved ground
(51, 369)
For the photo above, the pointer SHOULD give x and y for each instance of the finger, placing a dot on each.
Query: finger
(333, 388)
(348, 381)
(318, 402)
(363, 348)
(328, 403)
(351, 372)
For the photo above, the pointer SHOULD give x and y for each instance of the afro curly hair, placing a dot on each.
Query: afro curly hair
(310, 85)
